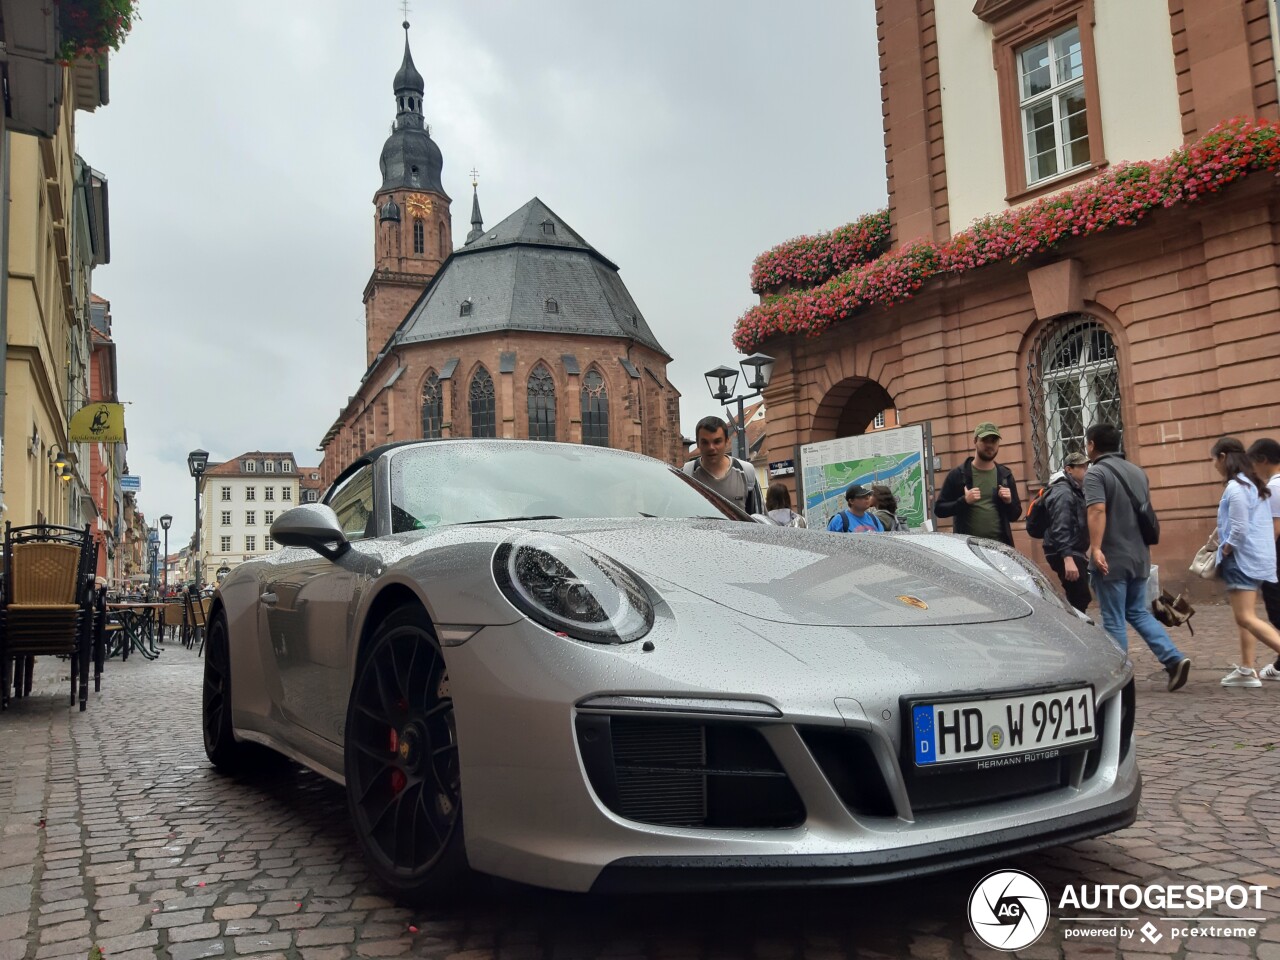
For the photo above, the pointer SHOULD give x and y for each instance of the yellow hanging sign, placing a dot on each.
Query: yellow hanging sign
(98, 423)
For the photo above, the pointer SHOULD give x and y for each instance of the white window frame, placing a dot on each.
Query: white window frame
(250, 543)
(1055, 94)
(250, 466)
(226, 518)
(251, 518)
(286, 493)
(878, 422)
(226, 494)
(268, 544)
(251, 493)
(286, 466)
(268, 517)
(268, 466)
(225, 543)
(268, 493)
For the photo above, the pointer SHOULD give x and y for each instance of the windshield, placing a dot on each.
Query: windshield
(448, 483)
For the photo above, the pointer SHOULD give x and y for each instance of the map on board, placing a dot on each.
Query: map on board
(893, 458)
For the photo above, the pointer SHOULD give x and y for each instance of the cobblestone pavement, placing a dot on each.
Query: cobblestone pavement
(116, 833)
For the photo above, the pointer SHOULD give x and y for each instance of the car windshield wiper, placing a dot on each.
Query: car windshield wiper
(544, 516)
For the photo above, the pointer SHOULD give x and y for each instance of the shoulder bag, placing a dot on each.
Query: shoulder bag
(1205, 562)
(1148, 523)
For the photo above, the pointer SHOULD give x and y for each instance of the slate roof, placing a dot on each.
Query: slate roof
(509, 275)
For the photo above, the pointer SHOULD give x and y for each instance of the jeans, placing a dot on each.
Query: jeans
(1121, 600)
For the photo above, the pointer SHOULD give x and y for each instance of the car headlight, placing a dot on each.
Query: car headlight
(1014, 566)
(572, 590)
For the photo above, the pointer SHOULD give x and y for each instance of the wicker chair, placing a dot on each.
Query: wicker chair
(46, 605)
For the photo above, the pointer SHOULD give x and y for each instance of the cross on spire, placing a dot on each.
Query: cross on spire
(404, 6)
(475, 177)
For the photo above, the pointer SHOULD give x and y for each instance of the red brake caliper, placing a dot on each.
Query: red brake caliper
(397, 777)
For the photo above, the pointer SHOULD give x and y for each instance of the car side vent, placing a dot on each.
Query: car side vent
(683, 773)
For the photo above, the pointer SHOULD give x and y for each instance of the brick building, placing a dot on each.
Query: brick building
(1166, 327)
(526, 331)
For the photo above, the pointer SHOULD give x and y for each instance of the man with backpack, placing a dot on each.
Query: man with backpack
(980, 493)
(728, 476)
(1058, 517)
(857, 518)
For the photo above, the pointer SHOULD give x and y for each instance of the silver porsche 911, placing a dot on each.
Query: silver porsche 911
(578, 668)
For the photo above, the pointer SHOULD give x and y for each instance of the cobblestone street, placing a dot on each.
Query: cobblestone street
(118, 834)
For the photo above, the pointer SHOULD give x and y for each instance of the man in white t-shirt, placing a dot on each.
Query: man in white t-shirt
(1266, 454)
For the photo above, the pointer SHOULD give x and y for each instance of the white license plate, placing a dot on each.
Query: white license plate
(1003, 731)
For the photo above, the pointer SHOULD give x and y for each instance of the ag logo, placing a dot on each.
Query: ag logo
(1008, 910)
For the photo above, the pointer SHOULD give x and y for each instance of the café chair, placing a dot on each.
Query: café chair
(45, 605)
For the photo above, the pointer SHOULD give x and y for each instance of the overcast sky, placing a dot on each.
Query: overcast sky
(241, 147)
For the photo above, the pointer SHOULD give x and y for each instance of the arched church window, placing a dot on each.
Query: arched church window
(595, 410)
(1074, 383)
(552, 306)
(542, 404)
(432, 407)
(444, 249)
(484, 422)
(419, 237)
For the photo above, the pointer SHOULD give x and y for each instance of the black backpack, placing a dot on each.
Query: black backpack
(1038, 516)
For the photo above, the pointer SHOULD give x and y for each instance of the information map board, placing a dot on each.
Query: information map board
(900, 459)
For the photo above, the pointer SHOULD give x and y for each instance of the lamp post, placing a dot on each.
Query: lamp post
(197, 461)
(722, 380)
(165, 521)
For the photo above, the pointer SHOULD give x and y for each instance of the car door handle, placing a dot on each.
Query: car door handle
(270, 599)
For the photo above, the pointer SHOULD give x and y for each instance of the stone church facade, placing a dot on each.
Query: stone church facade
(526, 331)
(1166, 327)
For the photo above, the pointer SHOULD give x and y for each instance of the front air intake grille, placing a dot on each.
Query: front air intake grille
(686, 773)
(848, 761)
(659, 771)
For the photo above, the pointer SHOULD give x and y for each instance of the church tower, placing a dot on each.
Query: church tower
(413, 232)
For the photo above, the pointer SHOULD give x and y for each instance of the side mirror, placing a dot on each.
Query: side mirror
(314, 526)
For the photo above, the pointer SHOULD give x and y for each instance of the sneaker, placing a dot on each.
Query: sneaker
(1241, 677)
(1269, 672)
(1178, 673)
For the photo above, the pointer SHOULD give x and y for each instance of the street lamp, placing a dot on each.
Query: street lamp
(758, 369)
(197, 461)
(153, 556)
(165, 521)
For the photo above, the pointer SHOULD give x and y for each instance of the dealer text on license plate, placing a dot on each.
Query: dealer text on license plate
(1024, 726)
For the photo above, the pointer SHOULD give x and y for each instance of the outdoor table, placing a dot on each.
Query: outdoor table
(138, 621)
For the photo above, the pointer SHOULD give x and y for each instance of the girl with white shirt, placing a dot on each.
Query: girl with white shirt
(1246, 553)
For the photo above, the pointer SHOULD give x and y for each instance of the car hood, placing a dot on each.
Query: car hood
(810, 578)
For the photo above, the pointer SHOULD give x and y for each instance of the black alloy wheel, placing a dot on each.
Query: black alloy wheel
(401, 757)
(220, 744)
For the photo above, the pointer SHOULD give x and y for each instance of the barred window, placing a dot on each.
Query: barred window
(432, 407)
(1074, 383)
(542, 404)
(595, 410)
(483, 407)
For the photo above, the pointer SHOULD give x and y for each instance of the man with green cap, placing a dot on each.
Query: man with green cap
(981, 494)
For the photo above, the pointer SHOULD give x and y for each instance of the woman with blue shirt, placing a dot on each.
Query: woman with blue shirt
(1246, 553)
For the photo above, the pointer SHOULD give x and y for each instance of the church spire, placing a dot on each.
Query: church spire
(408, 88)
(477, 222)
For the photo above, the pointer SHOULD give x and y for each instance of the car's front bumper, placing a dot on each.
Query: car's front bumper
(533, 815)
